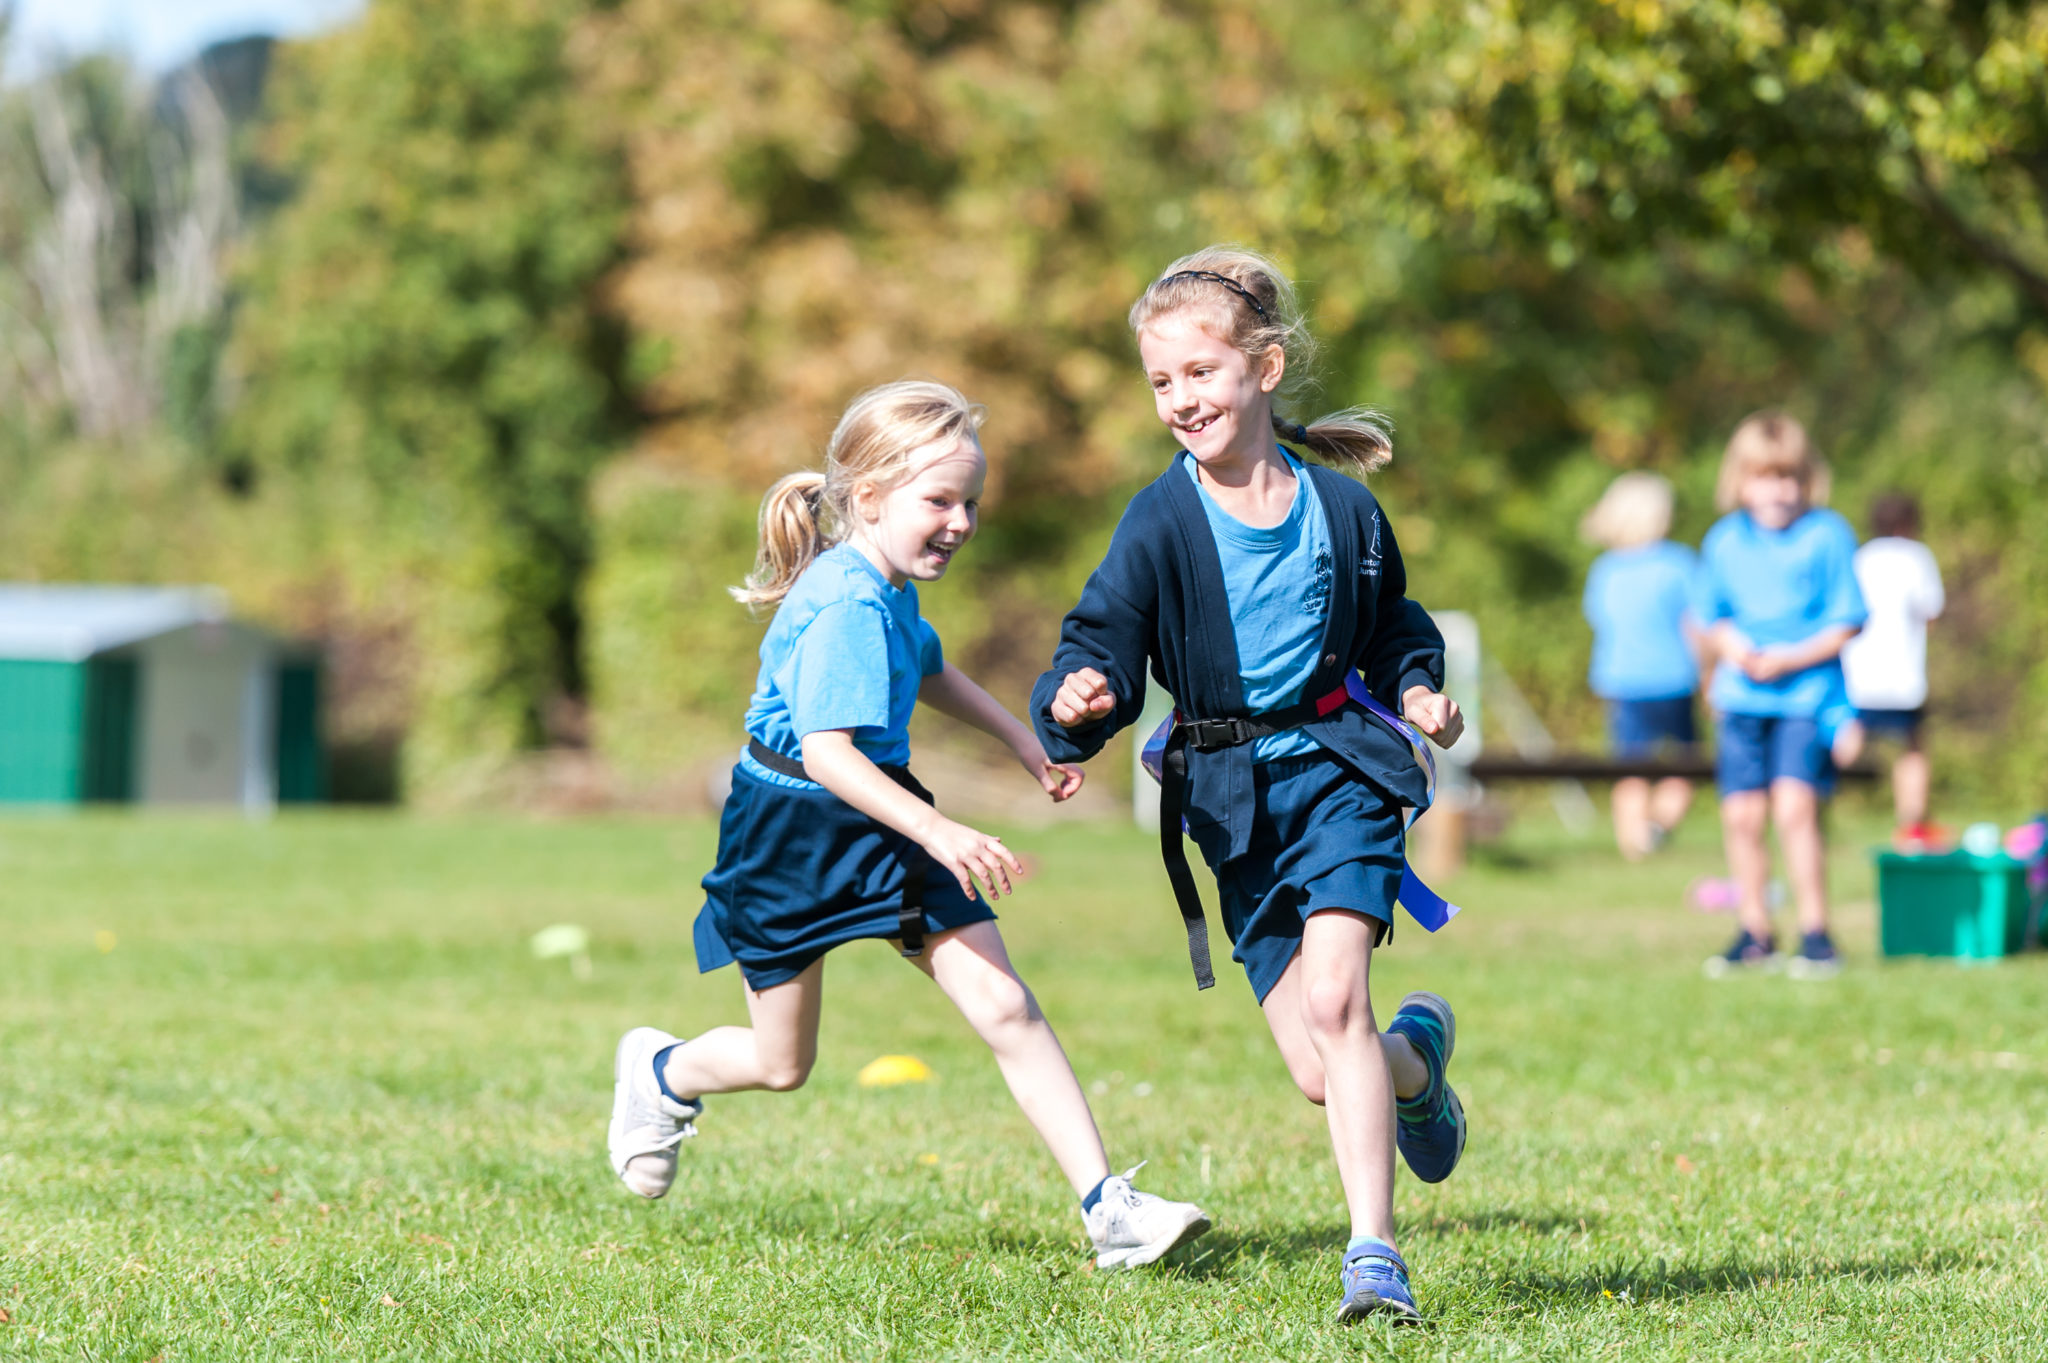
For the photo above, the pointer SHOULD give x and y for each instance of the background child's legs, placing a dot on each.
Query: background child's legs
(1321, 1016)
(777, 1052)
(973, 968)
(1910, 778)
(1795, 808)
(1631, 802)
(1743, 815)
(1669, 800)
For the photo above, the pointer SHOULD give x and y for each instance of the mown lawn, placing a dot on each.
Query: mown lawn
(314, 1097)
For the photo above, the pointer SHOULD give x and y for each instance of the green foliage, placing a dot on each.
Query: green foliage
(418, 350)
(367, 1122)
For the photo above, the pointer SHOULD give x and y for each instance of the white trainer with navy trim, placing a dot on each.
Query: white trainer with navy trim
(647, 1125)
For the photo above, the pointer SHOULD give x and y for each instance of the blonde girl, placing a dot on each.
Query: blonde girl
(1269, 596)
(1778, 596)
(826, 838)
(1646, 650)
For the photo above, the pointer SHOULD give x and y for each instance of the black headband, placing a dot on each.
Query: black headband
(1226, 281)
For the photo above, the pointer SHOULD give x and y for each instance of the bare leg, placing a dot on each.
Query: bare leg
(1669, 801)
(1631, 801)
(776, 1053)
(1911, 775)
(971, 965)
(1335, 1009)
(1743, 814)
(1795, 808)
(1305, 1066)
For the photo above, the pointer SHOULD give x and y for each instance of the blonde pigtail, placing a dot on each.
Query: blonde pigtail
(1356, 438)
(791, 536)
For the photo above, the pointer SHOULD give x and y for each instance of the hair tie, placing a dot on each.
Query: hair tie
(1226, 281)
(1301, 434)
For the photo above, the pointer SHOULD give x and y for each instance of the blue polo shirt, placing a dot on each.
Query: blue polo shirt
(1636, 601)
(1778, 587)
(1277, 579)
(845, 651)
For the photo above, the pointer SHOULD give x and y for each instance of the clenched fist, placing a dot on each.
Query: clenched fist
(1083, 698)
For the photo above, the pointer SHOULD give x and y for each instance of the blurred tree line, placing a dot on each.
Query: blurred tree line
(466, 337)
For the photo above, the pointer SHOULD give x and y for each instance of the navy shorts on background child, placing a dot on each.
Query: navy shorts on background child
(1638, 728)
(1755, 750)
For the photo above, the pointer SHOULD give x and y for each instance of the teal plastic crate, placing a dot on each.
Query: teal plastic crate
(1956, 904)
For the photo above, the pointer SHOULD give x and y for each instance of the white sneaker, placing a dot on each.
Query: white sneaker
(1131, 1229)
(647, 1124)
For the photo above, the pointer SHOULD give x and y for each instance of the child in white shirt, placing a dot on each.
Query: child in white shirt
(1886, 665)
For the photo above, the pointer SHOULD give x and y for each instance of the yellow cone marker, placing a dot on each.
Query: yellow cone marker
(894, 1069)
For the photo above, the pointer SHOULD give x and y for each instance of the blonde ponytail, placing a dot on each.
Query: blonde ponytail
(1355, 438)
(806, 513)
(791, 537)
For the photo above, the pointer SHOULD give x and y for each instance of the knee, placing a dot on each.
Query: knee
(1002, 1003)
(1744, 814)
(787, 1074)
(1311, 1086)
(1333, 1008)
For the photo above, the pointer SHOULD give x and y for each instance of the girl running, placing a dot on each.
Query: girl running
(827, 838)
(1257, 588)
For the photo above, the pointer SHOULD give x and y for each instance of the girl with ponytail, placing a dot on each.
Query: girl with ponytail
(1269, 596)
(826, 837)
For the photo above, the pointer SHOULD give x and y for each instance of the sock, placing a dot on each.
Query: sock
(1093, 1196)
(1366, 1244)
(661, 1076)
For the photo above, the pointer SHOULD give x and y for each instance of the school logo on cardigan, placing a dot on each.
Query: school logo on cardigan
(1369, 566)
(1317, 598)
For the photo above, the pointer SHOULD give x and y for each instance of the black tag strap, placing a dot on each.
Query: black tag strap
(910, 909)
(1173, 781)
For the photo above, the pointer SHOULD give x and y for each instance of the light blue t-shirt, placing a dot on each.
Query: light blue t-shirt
(1778, 587)
(1278, 584)
(1636, 602)
(845, 651)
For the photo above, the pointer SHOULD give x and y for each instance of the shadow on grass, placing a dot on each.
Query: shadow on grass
(1533, 1223)
(1654, 1281)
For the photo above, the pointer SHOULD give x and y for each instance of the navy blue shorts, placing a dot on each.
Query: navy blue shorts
(799, 872)
(1638, 728)
(1755, 750)
(1904, 723)
(1322, 839)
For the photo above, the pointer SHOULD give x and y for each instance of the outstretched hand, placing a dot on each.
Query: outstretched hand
(1083, 698)
(1433, 712)
(972, 855)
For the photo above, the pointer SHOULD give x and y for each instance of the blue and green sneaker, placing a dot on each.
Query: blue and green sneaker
(1375, 1283)
(1430, 1127)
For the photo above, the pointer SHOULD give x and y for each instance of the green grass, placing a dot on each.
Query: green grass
(319, 1100)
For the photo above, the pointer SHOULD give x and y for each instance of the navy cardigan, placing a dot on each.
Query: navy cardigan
(1158, 600)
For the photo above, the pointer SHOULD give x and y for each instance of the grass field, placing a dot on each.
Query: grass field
(299, 1090)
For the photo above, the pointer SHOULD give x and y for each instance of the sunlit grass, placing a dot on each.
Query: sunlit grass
(300, 1089)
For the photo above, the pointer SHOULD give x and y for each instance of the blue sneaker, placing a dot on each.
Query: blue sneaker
(1430, 1127)
(1747, 953)
(1817, 958)
(1376, 1283)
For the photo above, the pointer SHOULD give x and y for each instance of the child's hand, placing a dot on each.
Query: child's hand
(1059, 780)
(1765, 664)
(970, 855)
(1433, 712)
(1083, 698)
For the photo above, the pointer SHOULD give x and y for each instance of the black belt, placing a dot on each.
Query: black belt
(909, 913)
(1212, 735)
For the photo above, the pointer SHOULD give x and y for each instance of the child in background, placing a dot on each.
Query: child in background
(1886, 665)
(1646, 663)
(826, 838)
(1255, 587)
(1778, 596)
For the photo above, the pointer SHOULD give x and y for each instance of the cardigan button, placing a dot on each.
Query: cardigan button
(1329, 660)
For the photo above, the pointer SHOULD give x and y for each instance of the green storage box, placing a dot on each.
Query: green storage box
(1957, 904)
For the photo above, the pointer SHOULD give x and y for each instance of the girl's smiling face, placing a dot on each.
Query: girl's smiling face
(1773, 499)
(1216, 401)
(912, 531)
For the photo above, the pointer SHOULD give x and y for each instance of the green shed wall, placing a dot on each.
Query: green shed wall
(42, 731)
(301, 761)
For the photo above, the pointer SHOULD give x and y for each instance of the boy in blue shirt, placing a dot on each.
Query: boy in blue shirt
(1778, 596)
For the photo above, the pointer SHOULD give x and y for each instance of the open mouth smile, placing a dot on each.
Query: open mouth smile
(1197, 427)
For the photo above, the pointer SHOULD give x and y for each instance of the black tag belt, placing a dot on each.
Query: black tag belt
(1213, 735)
(910, 912)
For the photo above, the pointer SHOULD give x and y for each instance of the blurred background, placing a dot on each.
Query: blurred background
(456, 340)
